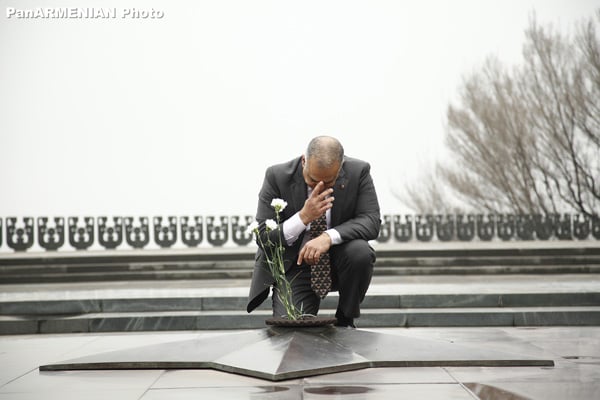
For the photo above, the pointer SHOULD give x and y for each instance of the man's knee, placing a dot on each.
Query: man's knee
(356, 254)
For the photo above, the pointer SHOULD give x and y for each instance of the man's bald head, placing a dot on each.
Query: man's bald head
(322, 162)
(326, 151)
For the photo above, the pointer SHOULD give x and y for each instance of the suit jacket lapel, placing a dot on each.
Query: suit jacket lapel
(338, 203)
(299, 191)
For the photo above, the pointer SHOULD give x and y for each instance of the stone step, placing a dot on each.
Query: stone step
(523, 268)
(236, 303)
(382, 317)
(132, 275)
(83, 265)
(98, 274)
(236, 263)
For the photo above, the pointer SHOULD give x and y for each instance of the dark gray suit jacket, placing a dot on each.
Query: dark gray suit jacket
(355, 212)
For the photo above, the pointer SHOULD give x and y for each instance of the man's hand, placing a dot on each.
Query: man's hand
(317, 203)
(313, 249)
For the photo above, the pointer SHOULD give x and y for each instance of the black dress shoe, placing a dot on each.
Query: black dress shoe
(344, 322)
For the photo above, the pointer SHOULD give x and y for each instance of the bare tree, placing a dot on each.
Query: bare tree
(525, 140)
(428, 195)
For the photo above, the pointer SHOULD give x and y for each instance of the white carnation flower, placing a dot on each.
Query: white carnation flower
(278, 204)
(271, 225)
(253, 227)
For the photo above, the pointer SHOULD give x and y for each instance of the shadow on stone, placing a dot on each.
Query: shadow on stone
(338, 390)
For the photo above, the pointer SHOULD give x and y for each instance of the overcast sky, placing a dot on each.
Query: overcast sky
(180, 115)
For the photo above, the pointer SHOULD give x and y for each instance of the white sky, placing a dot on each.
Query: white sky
(181, 115)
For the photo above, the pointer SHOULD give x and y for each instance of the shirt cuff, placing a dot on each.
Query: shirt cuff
(335, 236)
(293, 228)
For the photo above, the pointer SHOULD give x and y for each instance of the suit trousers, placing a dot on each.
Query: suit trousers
(351, 272)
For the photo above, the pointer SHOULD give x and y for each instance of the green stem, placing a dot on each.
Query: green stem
(277, 269)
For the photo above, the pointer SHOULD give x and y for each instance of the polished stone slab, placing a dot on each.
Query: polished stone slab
(286, 353)
(565, 381)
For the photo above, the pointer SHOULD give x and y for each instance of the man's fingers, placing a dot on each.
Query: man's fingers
(325, 205)
(301, 256)
(309, 254)
(318, 202)
(317, 190)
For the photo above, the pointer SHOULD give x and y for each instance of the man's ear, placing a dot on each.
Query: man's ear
(303, 160)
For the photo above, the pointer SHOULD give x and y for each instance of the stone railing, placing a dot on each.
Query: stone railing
(19, 234)
(467, 227)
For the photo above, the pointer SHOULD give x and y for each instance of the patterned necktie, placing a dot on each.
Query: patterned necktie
(320, 273)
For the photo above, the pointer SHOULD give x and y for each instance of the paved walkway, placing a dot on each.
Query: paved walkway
(576, 375)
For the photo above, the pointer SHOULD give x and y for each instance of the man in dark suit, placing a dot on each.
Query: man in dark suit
(323, 180)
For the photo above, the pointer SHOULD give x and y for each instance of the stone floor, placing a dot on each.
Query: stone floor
(575, 350)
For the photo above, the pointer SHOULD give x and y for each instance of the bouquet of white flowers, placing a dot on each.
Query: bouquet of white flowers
(274, 255)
